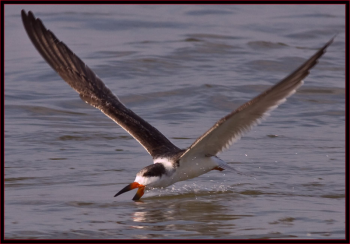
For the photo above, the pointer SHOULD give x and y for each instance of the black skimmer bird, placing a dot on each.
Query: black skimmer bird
(170, 163)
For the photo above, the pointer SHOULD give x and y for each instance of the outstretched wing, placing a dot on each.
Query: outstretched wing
(90, 88)
(231, 127)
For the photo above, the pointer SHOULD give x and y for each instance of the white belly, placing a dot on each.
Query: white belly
(194, 168)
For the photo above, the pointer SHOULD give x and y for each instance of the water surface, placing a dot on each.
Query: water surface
(181, 68)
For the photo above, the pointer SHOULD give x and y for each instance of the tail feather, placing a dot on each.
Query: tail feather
(222, 165)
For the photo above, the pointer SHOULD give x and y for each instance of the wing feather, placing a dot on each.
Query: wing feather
(91, 89)
(231, 127)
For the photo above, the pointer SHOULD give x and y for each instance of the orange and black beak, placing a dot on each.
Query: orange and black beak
(131, 186)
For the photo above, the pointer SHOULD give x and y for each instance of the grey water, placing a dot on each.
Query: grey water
(181, 68)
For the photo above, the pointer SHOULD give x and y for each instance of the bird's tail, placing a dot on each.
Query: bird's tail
(222, 164)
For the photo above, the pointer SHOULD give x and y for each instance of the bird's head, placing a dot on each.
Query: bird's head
(150, 176)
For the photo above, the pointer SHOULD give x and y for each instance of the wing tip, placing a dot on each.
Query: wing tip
(329, 43)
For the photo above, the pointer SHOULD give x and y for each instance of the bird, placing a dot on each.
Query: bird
(170, 163)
